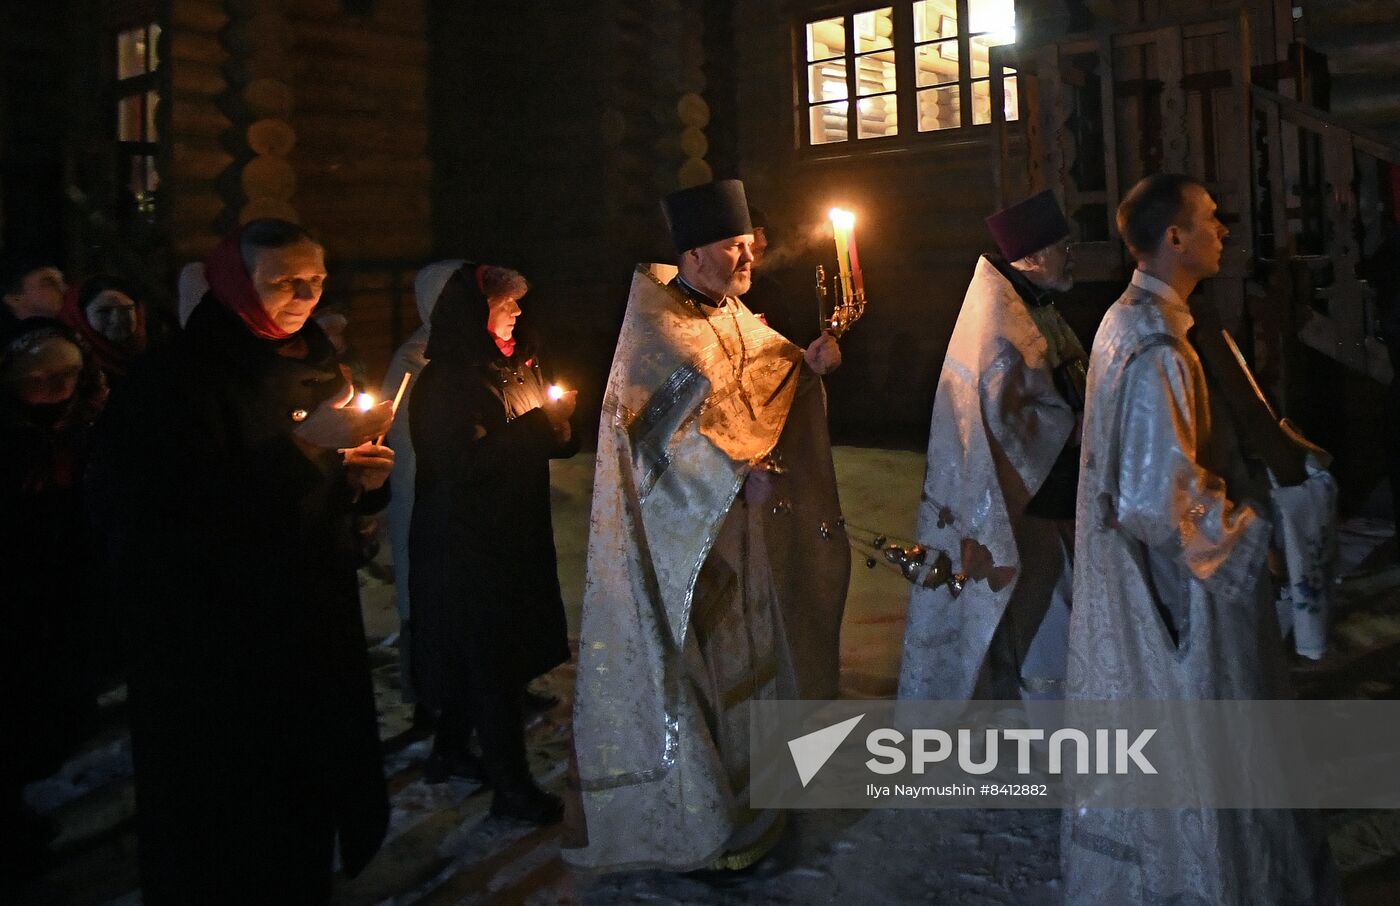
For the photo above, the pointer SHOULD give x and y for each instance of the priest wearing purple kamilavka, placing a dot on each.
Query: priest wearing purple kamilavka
(1003, 464)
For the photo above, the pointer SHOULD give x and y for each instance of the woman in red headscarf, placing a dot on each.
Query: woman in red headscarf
(231, 473)
(486, 611)
(111, 321)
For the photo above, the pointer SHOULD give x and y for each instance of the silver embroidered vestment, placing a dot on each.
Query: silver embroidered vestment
(696, 602)
(999, 422)
(1171, 603)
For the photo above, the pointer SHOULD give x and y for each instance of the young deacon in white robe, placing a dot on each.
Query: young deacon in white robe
(1171, 596)
(717, 567)
(1003, 465)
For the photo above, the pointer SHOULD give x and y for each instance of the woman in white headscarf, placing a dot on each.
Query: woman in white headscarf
(190, 290)
(409, 359)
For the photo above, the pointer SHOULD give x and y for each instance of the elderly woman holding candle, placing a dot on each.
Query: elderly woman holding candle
(230, 474)
(486, 609)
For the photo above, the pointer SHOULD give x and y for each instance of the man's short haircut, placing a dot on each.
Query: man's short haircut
(1155, 203)
(270, 233)
(502, 281)
(14, 268)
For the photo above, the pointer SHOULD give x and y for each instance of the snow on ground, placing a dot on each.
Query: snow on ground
(444, 849)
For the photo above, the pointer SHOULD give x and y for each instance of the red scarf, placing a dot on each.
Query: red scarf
(231, 284)
(110, 357)
(507, 347)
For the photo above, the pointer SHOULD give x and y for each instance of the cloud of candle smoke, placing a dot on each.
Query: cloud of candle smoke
(796, 245)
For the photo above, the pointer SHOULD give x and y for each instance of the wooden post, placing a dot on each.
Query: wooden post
(1167, 44)
(1108, 111)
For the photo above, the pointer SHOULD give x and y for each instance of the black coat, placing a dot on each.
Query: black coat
(234, 556)
(484, 583)
(52, 599)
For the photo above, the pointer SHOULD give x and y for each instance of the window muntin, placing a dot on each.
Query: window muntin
(855, 63)
(135, 100)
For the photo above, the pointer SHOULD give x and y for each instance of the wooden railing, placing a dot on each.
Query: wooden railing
(1299, 190)
(1100, 111)
(1320, 201)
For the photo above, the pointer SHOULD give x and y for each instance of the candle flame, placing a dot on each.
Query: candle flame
(364, 402)
(556, 392)
(842, 219)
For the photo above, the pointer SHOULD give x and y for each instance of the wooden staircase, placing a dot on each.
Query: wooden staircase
(1303, 193)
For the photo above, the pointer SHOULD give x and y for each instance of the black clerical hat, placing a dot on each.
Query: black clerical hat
(1028, 226)
(707, 213)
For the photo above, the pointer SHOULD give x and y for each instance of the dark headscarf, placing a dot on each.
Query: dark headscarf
(459, 332)
(80, 409)
(110, 357)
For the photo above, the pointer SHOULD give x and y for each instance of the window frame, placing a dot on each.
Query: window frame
(142, 86)
(906, 91)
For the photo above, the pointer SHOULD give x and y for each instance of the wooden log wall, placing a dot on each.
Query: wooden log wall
(299, 110)
(196, 209)
(681, 111)
(569, 193)
(329, 128)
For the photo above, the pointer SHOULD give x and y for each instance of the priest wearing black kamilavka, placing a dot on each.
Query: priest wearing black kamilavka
(717, 567)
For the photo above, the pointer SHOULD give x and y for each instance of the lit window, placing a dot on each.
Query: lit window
(828, 109)
(875, 74)
(851, 79)
(852, 65)
(136, 100)
(990, 23)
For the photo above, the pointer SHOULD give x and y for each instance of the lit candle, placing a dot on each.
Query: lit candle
(856, 277)
(394, 407)
(398, 397)
(842, 224)
(556, 392)
(364, 402)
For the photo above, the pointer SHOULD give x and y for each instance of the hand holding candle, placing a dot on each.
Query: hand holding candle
(559, 408)
(367, 466)
(343, 422)
(561, 400)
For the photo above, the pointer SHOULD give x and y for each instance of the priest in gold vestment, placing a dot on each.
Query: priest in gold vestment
(717, 562)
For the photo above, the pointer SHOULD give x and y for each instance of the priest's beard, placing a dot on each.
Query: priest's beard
(739, 283)
(712, 276)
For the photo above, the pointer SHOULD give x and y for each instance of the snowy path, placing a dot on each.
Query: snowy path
(443, 849)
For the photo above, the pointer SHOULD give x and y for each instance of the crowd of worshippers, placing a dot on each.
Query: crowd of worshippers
(184, 511)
